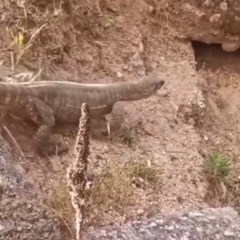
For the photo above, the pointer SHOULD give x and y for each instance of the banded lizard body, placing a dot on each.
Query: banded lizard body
(48, 102)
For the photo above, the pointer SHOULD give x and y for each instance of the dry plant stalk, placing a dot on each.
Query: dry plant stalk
(15, 142)
(79, 185)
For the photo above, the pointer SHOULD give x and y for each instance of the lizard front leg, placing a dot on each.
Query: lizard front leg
(101, 113)
(112, 115)
(43, 115)
(114, 119)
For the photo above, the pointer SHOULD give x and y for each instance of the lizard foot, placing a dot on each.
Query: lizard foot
(53, 147)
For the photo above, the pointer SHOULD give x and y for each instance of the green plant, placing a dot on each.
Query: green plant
(129, 137)
(218, 168)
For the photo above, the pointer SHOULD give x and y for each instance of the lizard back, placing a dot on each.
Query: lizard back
(66, 98)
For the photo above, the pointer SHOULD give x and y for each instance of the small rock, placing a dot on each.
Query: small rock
(230, 46)
(150, 9)
(153, 224)
(215, 18)
(229, 233)
(205, 138)
(140, 212)
(223, 6)
(119, 75)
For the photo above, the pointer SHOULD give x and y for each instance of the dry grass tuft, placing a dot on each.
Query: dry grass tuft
(115, 187)
(115, 190)
(30, 28)
(23, 37)
(59, 202)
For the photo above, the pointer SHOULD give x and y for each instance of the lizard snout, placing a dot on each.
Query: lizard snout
(160, 84)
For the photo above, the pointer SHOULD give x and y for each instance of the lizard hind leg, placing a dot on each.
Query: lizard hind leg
(43, 115)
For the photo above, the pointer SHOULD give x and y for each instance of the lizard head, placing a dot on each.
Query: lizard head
(148, 86)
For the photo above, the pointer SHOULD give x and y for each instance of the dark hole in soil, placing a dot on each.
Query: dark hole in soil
(213, 57)
(201, 50)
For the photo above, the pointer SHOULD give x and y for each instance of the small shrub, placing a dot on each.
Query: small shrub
(129, 137)
(218, 168)
(59, 201)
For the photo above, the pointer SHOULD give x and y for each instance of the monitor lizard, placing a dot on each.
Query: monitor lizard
(48, 102)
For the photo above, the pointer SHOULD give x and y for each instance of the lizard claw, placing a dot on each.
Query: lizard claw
(109, 130)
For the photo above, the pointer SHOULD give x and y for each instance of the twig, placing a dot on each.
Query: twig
(15, 142)
(37, 75)
(79, 184)
(7, 48)
(34, 36)
(12, 60)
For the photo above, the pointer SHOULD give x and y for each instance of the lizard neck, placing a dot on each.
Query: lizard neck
(128, 92)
